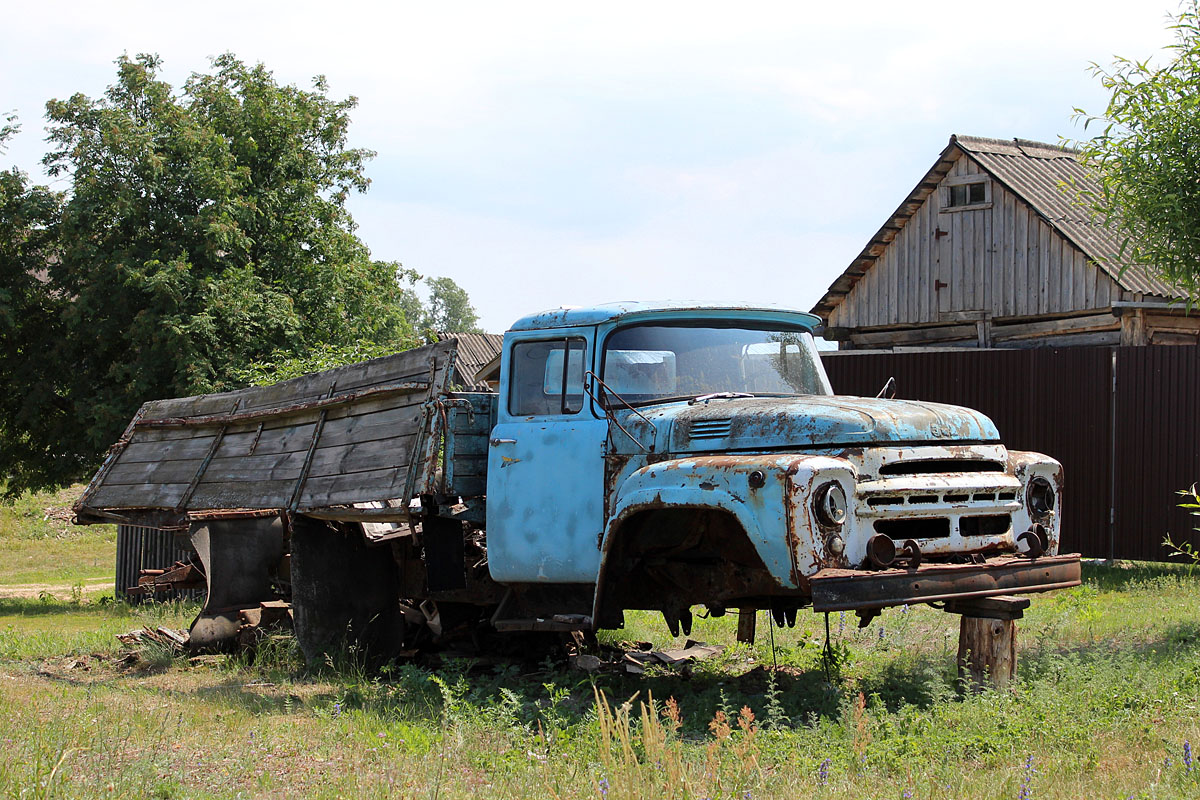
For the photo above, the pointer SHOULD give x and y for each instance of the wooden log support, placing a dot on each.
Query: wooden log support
(746, 620)
(987, 640)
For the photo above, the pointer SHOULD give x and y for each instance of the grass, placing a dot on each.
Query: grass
(1107, 695)
(39, 545)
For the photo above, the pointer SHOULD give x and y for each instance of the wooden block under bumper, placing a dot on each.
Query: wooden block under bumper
(847, 589)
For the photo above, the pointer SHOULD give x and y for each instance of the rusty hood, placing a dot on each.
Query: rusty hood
(818, 421)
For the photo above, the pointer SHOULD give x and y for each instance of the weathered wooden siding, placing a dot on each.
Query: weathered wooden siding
(1005, 261)
(354, 434)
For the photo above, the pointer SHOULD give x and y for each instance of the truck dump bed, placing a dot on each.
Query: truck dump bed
(366, 434)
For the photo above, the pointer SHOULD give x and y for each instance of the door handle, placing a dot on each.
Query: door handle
(495, 442)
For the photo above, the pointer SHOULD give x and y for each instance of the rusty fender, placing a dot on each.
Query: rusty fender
(769, 495)
(847, 589)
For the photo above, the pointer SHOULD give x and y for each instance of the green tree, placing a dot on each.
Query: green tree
(1147, 156)
(34, 416)
(450, 308)
(204, 230)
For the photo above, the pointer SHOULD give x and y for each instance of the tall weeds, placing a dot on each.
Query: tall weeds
(641, 754)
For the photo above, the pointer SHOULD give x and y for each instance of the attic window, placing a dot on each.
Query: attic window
(966, 192)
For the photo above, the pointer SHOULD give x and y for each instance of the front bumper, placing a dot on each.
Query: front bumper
(852, 589)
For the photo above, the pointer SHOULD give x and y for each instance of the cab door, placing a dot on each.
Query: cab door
(545, 485)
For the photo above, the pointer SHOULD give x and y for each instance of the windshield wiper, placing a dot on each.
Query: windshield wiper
(704, 398)
(605, 390)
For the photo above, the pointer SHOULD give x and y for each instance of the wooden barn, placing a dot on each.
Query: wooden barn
(992, 249)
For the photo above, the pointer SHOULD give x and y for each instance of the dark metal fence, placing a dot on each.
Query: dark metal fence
(141, 548)
(1124, 422)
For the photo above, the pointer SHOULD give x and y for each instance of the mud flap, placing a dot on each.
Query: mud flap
(239, 558)
(345, 595)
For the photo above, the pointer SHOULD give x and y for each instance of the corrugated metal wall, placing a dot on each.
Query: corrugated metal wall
(1060, 402)
(141, 548)
(1158, 446)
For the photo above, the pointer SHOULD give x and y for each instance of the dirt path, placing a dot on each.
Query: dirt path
(60, 590)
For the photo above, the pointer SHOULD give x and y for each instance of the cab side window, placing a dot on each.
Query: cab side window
(547, 377)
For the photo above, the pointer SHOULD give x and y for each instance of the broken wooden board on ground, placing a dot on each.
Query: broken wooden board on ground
(165, 637)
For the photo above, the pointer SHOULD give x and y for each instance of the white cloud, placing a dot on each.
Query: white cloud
(547, 153)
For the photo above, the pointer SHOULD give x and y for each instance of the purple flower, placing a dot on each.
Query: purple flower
(1026, 792)
(337, 709)
(1187, 754)
(603, 783)
(823, 772)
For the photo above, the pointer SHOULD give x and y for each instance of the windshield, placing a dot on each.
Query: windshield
(648, 363)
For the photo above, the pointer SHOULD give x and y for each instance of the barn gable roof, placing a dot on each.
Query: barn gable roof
(1044, 176)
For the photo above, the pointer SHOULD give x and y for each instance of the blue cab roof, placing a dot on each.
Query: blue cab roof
(573, 316)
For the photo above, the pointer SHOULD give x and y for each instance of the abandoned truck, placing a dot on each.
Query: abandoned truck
(636, 456)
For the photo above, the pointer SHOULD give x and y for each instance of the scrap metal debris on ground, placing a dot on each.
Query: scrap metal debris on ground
(634, 658)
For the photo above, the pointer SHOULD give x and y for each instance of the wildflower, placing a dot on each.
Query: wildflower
(907, 794)
(603, 783)
(1187, 754)
(823, 772)
(1026, 792)
(881, 633)
(904, 608)
(841, 622)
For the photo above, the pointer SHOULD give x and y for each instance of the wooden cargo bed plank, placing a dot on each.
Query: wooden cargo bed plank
(470, 445)
(470, 486)
(413, 364)
(469, 465)
(353, 487)
(270, 466)
(366, 426)
(177, 450)
(339, 433)
(366, 450)
(149, 495)
(246, 494)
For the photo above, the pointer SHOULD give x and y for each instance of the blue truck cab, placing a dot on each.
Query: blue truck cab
(663, 456)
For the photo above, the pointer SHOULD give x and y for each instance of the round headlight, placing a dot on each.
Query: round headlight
(1039, 498)
(830, 504)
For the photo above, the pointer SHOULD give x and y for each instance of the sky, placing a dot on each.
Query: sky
(563, 153)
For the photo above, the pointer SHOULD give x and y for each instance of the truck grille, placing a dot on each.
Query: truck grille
(948, 497)
(950, 504)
